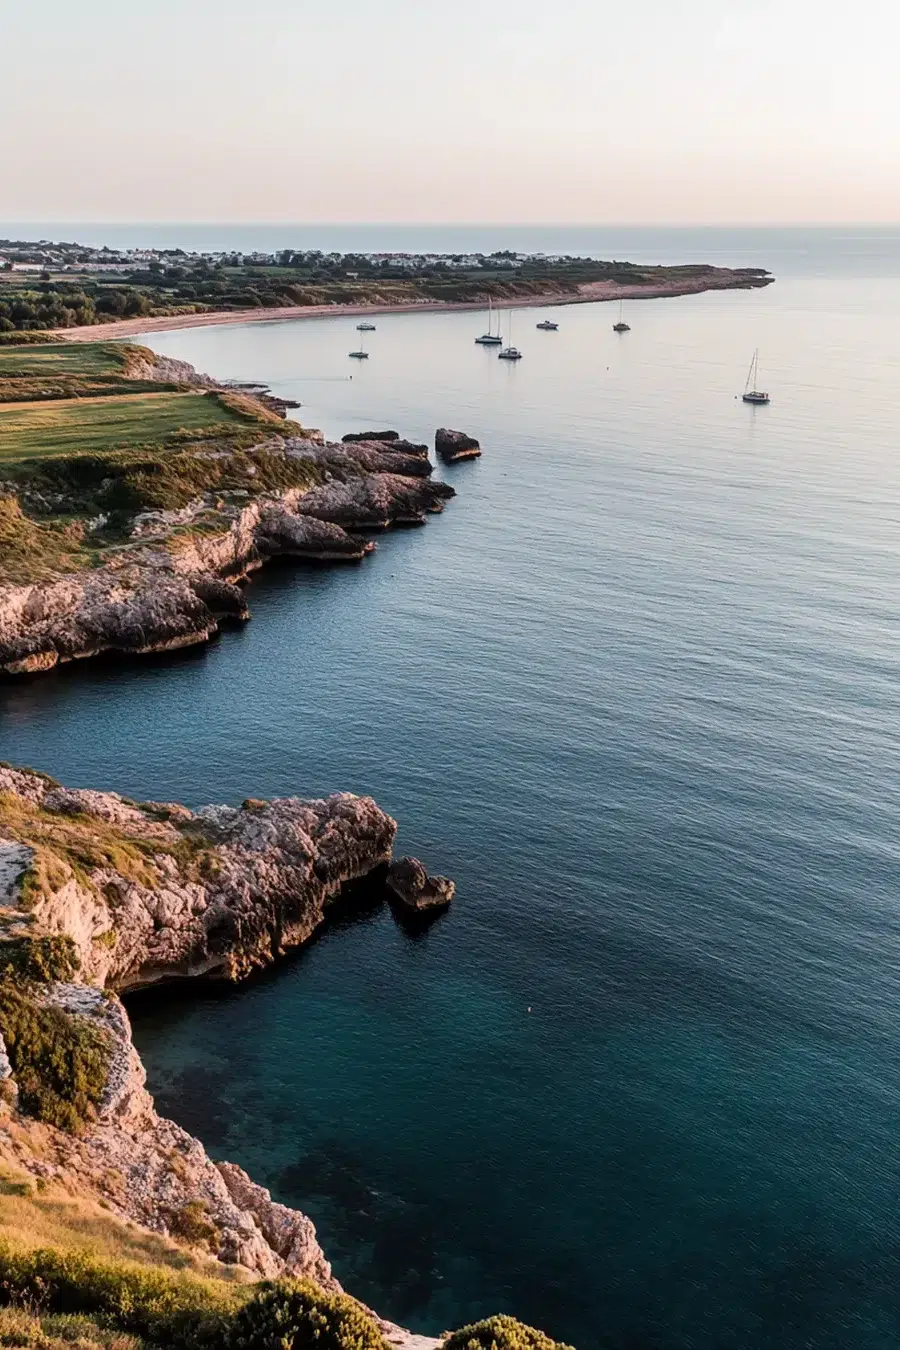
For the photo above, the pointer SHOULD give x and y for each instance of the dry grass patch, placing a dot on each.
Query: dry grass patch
(32, 550)
(78, 845)
(67, 1218)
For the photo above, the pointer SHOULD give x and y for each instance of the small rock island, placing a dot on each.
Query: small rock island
(453, 446)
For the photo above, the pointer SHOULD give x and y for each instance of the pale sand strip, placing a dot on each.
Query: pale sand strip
(717, 279)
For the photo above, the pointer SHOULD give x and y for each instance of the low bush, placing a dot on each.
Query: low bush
(178, 1312)
(192, 1224)
(297, 1315)
(23, 1329)
(59, 1060)
(500, 1333)
(39, 959)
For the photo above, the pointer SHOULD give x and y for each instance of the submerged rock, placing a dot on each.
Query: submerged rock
(416, 889)
(455, 445)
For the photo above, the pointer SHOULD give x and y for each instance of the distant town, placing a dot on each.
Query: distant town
(45, 255)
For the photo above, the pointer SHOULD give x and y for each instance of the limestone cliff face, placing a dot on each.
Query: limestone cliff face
(171, 892)
(174, 586)
(148, 1169)
(149, 891)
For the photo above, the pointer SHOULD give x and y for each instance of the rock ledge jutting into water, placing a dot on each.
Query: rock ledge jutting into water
(174, 584)
(113, 894)
(455, 445)
(416, 889)
(219, 891)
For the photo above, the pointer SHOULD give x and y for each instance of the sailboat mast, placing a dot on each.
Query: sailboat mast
(751, 373)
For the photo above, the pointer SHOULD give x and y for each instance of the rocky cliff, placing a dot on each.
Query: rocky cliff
(152, 891)
(114, 894)
(173, 582)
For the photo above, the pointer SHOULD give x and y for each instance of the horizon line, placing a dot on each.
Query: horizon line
(483, 224)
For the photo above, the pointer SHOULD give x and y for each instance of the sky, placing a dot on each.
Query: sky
(578, 111)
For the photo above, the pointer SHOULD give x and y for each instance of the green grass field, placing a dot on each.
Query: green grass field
(63, 358)
(127, 421)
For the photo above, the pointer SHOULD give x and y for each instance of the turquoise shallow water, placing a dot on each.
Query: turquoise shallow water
(637, 691)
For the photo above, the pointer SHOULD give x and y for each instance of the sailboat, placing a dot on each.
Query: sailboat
(548, 326)
(621, 326)
(361, 354)
(509, 353)
(490, 338)
(751, 394)
(365, 327)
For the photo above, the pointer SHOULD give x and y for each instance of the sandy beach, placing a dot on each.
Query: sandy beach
(715, 279)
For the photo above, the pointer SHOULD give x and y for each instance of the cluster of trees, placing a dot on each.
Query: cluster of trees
(66, 305)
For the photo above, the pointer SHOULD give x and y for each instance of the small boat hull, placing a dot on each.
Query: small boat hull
(509, 354)
(365, 328)
(621, 327)
(359, 356)
(489, 340)
(755, 397)
(547, 326)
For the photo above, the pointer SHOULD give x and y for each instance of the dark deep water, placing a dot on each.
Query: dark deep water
(637, 692)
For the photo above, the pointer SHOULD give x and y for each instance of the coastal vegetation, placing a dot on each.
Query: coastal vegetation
(59, 1061)
(61, 370)
(297, 1314)
(501, 1333)
(89, 439)
(77, 286)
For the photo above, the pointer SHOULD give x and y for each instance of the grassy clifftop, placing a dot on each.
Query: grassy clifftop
(75, 468)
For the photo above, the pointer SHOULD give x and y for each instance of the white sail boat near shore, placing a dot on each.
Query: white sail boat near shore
(510, 353)
(751, 394)
(490, 338)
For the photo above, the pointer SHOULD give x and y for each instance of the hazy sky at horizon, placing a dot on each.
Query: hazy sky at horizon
(386, 110)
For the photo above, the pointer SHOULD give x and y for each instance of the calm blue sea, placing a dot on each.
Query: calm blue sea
(636, 690)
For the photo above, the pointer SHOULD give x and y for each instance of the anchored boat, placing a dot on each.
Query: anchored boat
(621, 326)
(548, 326)
(751, 394)
(510, 353)
(365, 328)
(490, 338)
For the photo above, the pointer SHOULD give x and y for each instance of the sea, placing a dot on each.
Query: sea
(637, 691)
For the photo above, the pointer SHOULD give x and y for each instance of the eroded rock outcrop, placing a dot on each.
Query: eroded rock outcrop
(173, 892)
(416, 890)
(153, 890)
(455, 445)
(175, 585)
(148, 1169)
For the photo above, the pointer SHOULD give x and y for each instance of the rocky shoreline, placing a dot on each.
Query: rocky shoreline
(174, 582)
(124, 894)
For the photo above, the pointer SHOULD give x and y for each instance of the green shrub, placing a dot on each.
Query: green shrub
(178, 1312)
(39, 959)
(500, 1333)
(297, 1315)
(59, 1060)
(23, 1329)
(193, 1225)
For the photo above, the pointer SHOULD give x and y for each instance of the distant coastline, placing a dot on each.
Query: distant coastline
(711, 279)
